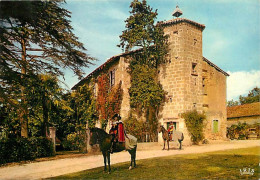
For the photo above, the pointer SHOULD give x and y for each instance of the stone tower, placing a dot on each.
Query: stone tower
(183, 76)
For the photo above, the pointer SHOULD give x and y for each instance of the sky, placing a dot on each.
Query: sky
(231, 39)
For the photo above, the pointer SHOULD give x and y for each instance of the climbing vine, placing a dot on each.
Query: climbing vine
(103, 87)
(108, 100)
(146, 93)
(114, 100)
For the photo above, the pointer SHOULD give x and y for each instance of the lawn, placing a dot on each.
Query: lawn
(214, 165)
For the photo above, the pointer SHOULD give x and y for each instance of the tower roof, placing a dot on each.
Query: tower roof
(177, 12)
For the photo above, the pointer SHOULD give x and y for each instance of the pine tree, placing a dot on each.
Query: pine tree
(36, 37)
(142, 32)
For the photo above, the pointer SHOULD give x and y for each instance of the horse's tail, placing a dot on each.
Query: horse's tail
(182, 137)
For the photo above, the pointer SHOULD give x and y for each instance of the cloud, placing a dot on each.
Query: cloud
(241, 82)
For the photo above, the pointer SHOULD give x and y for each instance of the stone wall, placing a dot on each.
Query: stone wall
(214, 101)
(248, 120)
(179, 79)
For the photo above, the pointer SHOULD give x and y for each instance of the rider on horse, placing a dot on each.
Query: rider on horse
(117, 131)
(170, 130)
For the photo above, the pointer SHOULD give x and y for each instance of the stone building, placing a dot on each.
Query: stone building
(190, 80)
(248, 113)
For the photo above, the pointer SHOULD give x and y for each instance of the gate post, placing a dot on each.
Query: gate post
(53, 137)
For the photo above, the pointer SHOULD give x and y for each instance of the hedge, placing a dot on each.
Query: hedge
(20, 149)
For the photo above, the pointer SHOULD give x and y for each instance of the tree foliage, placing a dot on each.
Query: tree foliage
(146, 93)
(253, 96)
(141, 32)
(36, 38)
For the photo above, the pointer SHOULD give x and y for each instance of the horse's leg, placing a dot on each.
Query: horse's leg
(180, 144)
(135, 156)
(168, 145)
(163, 144)
(132, 158)
(105, 161)
(108, 161)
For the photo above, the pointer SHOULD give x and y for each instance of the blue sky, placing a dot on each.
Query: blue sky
(230, 40)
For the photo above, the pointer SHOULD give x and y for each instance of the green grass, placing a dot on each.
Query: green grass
(214, 165)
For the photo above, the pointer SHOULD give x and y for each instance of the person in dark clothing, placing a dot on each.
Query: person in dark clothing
(114, 131)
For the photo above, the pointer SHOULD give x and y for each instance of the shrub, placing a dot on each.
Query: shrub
(195, 123)
(240, 130)
(20, 149)
(134, 127)
(75, 141)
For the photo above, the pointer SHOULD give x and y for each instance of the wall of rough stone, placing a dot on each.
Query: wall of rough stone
(248, 120)
(177, 77)
(214, 101)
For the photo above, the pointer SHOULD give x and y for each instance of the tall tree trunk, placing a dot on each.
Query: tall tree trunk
(23, 108)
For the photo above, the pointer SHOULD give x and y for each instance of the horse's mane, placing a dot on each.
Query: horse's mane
(163, 128)
(98, 130)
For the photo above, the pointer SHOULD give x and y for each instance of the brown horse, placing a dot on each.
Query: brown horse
(177, 135)
(99, 136)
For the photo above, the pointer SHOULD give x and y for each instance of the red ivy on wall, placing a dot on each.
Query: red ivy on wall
(108, 102)
(115, 97)
(103, 87)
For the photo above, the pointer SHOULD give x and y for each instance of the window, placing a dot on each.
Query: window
(194, 105)
(195, 41)
(112, 78)
(194, 69)
(215, 126)
(204, 87)
(169, 98)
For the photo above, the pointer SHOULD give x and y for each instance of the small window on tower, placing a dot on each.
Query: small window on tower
(195, 42)
(194, 69)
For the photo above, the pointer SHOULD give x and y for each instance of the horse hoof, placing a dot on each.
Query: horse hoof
(130, 167)
(109, 172)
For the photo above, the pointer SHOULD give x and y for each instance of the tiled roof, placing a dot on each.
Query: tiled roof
(245, 110)
(215, 66)
(179, 20)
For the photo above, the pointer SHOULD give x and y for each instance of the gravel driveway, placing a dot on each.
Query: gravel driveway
(46, 169)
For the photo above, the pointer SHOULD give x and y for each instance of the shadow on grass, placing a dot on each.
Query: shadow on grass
(216, 165)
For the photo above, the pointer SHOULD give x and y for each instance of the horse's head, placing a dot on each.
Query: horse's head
(160, 128)
(93, 137)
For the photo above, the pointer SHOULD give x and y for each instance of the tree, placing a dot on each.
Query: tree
(141, 32)
(36, 37)
(146, 93)
(232, 103)
(253, 96)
